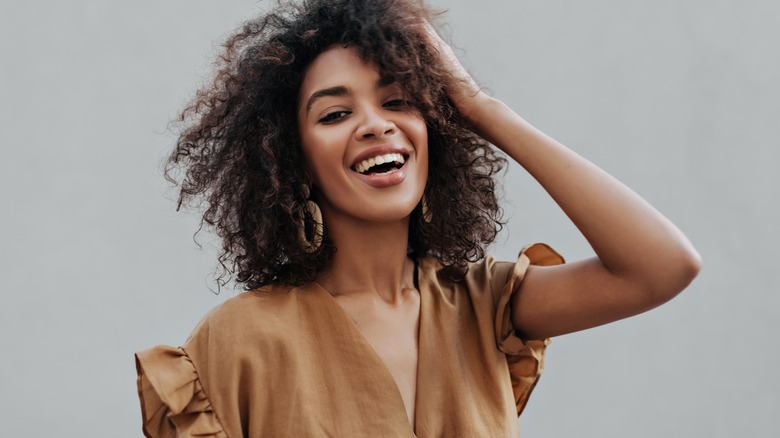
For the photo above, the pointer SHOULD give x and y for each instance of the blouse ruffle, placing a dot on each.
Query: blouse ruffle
(173, 402)
(525, 358)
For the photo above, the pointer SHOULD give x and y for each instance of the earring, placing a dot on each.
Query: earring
(426, 212)
(316, 214)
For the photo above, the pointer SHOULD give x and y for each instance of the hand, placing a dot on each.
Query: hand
(462, 88)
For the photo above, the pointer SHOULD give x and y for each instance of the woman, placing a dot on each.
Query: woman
(343, 153)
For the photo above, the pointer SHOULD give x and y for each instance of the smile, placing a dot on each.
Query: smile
(381, 164)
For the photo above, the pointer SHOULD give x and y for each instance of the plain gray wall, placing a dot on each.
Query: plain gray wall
(679, 99)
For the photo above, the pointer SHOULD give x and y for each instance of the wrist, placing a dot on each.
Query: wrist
(481, 112)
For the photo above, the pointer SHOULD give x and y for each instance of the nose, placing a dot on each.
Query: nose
(374, 124)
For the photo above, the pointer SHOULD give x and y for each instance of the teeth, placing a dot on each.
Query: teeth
(364, 165)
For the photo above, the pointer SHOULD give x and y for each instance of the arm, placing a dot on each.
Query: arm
(642, 260)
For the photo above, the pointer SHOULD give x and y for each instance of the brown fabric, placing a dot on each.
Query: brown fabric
(172, 398)
(290, 362)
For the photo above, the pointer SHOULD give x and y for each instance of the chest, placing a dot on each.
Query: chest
(324, 368)
(393, 333)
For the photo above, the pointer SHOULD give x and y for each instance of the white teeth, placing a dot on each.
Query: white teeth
(366, 164)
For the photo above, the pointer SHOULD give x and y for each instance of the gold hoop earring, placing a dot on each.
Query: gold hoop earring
(316, 214)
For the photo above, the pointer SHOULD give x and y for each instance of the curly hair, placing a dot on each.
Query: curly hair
(239, 151)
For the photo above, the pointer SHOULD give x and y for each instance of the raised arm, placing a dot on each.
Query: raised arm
(642, 259)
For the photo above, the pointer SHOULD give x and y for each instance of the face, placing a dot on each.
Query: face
(364, 147)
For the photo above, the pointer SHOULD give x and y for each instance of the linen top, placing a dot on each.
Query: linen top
(288, 361)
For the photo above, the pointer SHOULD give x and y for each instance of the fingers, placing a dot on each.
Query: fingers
(460, 85)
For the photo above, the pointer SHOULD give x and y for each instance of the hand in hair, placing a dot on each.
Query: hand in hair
(642, 259)
(461, 87)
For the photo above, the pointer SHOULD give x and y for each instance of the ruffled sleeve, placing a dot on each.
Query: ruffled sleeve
(525, 358)
(173, 403)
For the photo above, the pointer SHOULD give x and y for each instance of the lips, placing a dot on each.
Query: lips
(380, 159)
(382, 165)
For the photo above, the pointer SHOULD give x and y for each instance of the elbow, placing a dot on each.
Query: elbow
(680, 272)
(689, 266)
(693, 264)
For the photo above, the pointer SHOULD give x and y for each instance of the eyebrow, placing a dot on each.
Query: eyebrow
(332, 91)
(341, 90)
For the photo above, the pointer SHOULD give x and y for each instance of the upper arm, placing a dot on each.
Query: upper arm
(555, 300)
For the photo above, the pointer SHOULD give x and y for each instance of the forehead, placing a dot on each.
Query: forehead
(337, 65)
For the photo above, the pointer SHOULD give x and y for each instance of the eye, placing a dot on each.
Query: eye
(333, 117)
(396, 103)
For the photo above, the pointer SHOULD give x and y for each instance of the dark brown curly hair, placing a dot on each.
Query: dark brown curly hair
(239, 148)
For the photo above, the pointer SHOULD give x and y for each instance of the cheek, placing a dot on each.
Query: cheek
(414, 126)
(313, 163)
(419, 136)
(321, 157)
(313, 143)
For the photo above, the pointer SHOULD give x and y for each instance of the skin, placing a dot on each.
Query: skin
(370, 275)
(641, 259)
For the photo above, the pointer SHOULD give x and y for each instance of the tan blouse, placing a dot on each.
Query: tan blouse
(288, 361)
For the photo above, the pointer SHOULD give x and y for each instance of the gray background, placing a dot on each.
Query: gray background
(679, 99)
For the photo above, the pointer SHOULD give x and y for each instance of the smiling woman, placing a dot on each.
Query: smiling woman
(240, 146)
(365, 147)
(345, 158)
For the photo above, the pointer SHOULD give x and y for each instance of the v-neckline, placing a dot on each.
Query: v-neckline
(421, 330)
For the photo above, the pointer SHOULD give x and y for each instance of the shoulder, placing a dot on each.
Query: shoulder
(489, 277)
(474, 276)
(248, 314)
(431, 269)
(267, 298)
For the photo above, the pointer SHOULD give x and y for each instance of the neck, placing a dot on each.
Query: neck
(370, 258)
